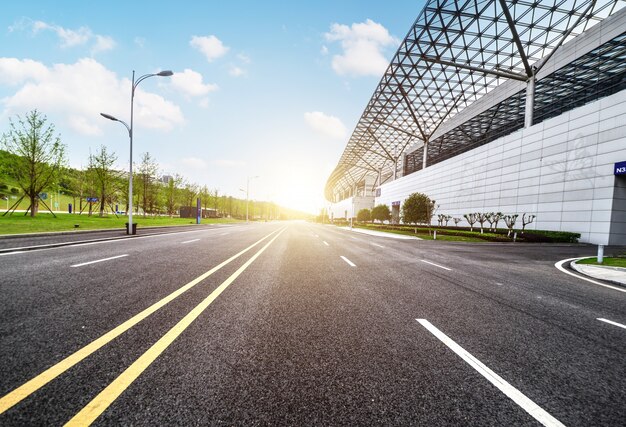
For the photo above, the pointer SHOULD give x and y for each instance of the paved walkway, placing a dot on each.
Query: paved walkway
(612, 274)
(380, 233)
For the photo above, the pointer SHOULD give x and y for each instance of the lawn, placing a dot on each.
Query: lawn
(607, 261)
(45, 222)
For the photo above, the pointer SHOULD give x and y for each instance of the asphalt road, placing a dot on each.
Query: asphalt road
(303, 324)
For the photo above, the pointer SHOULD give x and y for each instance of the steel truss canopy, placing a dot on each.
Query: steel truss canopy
(455, 53)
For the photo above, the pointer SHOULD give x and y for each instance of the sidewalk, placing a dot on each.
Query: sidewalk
(380, 233)
(610, 274)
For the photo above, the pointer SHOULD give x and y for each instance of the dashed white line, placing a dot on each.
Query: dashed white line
(98, 260)
(380, 246)
(619, 325)
(436, 265)
(499, 284)
(511, 392)
(224, 234)
(326, 243)
(189, 241)
(350, 263)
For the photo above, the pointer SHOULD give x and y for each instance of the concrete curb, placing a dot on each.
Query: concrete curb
(596, 274)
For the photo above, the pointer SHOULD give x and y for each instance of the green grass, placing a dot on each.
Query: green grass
(45, 222)
(608, 261)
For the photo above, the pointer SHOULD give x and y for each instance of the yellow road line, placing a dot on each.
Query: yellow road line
(107, 396)
(31, 386)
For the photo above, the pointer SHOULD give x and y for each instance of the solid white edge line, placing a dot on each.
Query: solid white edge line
(326, 243)
(189, 241)
(436, 265)
(611, 322)
(350, 263)
(11, 253)
(559, 266)
(98, 260)
(511, 392)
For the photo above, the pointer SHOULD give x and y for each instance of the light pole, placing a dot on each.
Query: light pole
(165, 73)
(247, 193)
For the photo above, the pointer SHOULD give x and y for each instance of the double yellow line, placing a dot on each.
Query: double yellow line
(102, 401)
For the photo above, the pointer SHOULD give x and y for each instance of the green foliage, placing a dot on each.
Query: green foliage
(418, 208)
(381, 213)
(38, 154)
(364, 215)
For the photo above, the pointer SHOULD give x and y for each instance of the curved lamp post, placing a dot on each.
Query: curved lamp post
(247, 192)
(165, 73)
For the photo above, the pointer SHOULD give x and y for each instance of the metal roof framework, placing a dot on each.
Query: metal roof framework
(454, 54)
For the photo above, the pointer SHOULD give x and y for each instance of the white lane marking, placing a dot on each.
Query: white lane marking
(611, 322)
(326, 243)
(189, 241)
(436, 265)
(376, 244)
(14, 252)
(98, 260)
(352, 237)
(511, 392)
(499, 284)
(316, 235)
(224, 234)
(350, 263)
(559, 265)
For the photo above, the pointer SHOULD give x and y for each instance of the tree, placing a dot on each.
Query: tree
(364, 215)
(101, 168)
(509, 220)
(381, 213)
(41, 155)
(418, 208)
(171, 194)
(471, 218)
(147, 175)
(527, 220)
(482, 217)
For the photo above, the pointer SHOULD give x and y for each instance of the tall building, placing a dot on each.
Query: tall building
(495, 106)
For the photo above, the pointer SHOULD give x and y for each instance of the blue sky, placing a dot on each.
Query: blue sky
(270, 89)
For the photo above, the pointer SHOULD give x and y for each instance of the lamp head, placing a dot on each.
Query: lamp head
(165, 73)
(108, 116)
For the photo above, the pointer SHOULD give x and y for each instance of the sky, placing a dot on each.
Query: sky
(269, 90)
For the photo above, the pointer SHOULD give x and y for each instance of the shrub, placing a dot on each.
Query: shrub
(381, 213)
(418, 208)
(364, 215)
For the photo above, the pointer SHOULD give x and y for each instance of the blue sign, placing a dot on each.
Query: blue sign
(43, 196)
(620, 168)
(92, 199)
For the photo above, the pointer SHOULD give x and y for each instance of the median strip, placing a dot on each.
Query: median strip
(99, 260)
(107, 396)
(511, 392)
(26, 389)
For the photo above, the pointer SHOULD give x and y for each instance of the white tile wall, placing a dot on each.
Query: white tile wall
(561, 170)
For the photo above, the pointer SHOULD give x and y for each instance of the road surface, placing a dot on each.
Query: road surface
(305, 324)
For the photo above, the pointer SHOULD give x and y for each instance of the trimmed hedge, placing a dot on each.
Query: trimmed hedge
(534, 236)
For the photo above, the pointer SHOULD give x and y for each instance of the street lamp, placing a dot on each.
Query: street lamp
(247, 192)
(165, 73)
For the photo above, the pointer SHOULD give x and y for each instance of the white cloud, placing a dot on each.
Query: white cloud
(324, 50)
(68, 37)
(140, 41)
(229, 163)
(362, 45)
(327, 125)
(211, 47)
(190, 83)
(103, 43)
(244, 58)
(194, 163)
(15, 71)
(79, 92)
(236, 71)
